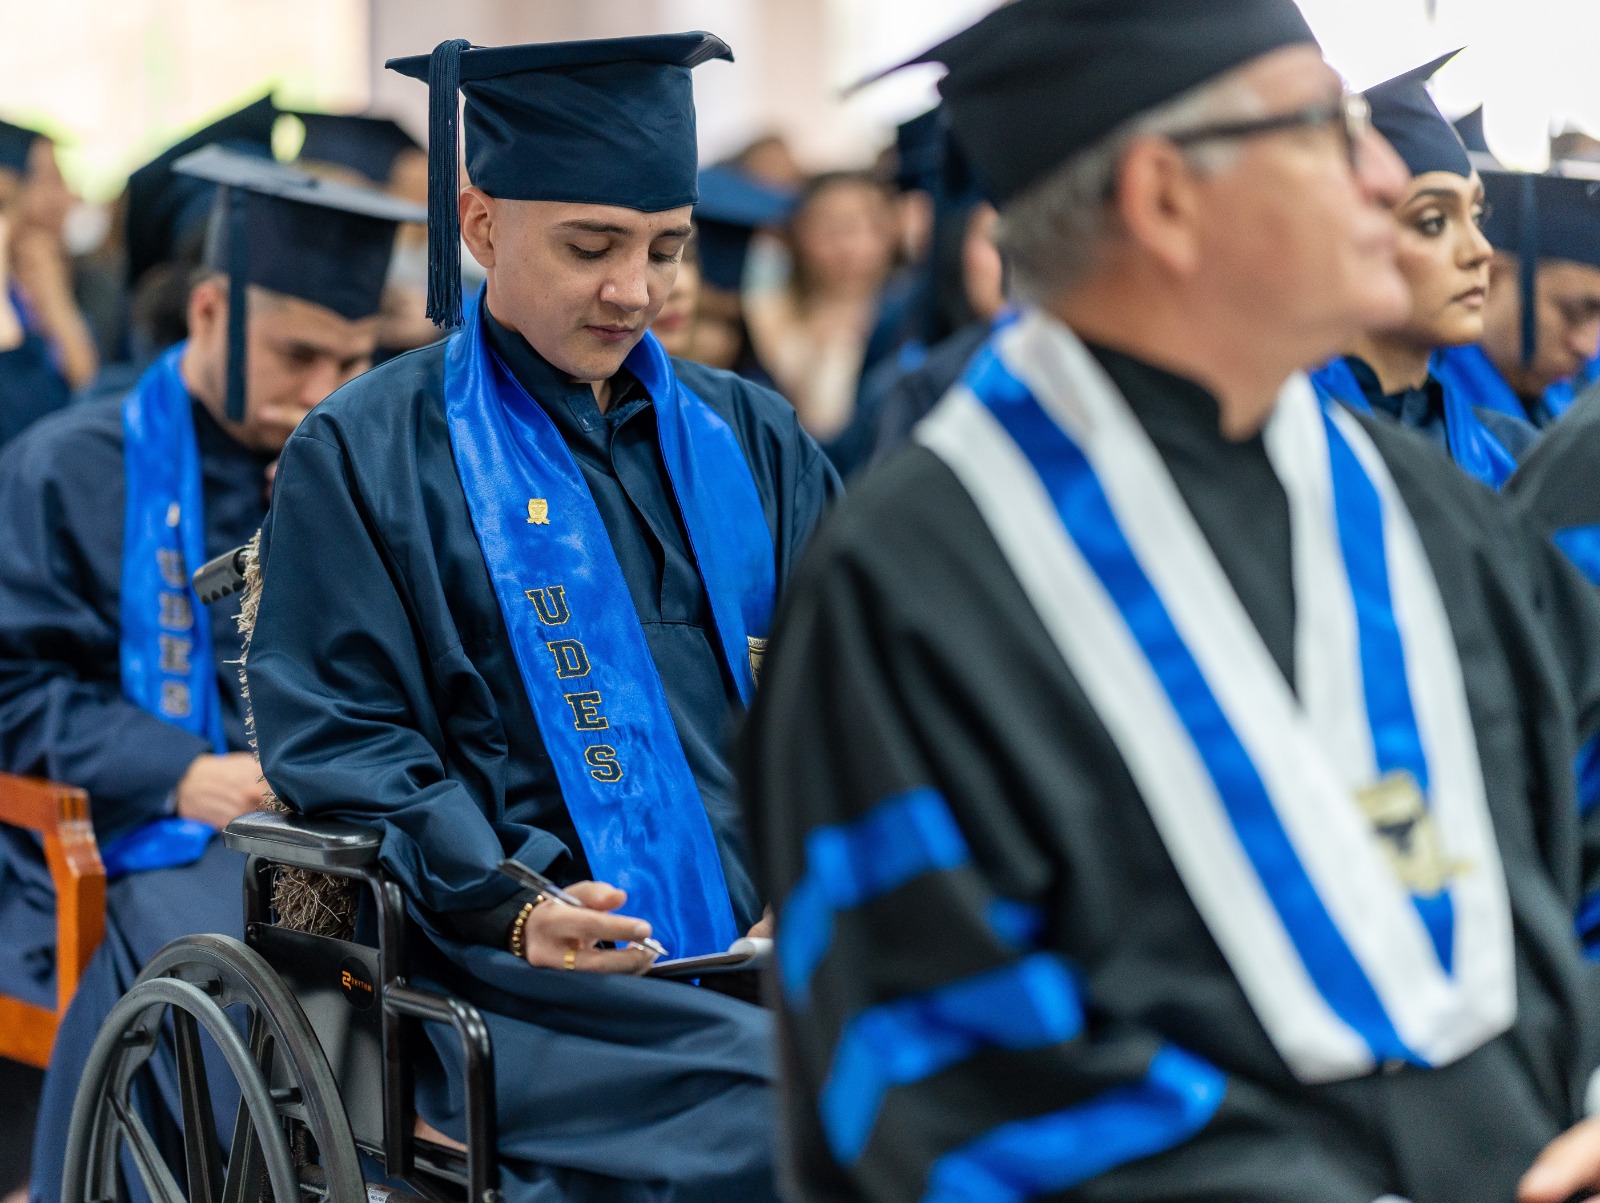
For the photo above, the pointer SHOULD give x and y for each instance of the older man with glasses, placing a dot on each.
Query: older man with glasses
(1161, 776)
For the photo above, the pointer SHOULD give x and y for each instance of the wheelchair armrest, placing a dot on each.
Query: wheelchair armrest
(324, 845)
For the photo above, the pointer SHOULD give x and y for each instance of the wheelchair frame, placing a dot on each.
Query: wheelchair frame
(282, 1064)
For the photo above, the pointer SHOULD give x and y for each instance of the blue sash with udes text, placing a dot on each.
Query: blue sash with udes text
(580, 647)
(166, 657)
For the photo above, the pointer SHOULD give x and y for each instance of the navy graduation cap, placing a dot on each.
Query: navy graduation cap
(919, 150)
(1404, 113)
(283, 230)
(732, 207)
(167, 212)
(1037, 81)
(603, 122)
(16, 141)
(365, 144)
(1538, 217)
(1470, 127)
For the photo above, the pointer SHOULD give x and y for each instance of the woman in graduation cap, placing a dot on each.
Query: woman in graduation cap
(516, 586)
(1444, 257)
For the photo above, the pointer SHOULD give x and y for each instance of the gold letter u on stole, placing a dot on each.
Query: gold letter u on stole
(550, 603)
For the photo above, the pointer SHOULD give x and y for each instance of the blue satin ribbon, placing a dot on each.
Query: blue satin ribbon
(166, 656)
(587, 668)
(1090, 522)
(1469, 372)
(1471, 444)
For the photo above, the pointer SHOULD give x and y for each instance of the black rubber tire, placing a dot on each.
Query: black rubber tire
(194, 981)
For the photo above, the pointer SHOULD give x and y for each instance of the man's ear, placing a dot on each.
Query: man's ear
(208, 308)
(1158, 205)
(476, 208)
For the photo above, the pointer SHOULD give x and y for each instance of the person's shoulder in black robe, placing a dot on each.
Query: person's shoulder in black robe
(908, 657)
(1555, 486)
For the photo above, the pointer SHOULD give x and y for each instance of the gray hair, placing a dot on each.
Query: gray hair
(1051, 233)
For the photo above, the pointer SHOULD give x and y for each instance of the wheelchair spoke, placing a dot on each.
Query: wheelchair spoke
(147, 1159)
(202, 1155)
(246, 1167)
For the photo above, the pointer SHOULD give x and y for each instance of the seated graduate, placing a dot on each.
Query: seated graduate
(1158, 774)
(113, 676)
(516, 585)
(1444, 258)
(1541, 319)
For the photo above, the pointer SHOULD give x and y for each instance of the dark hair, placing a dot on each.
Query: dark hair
(799, 282)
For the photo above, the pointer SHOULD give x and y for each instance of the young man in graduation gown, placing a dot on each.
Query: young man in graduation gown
(113, 676)
(515, 587)
(1163, 780)
(1444, 257)
(1542, 313)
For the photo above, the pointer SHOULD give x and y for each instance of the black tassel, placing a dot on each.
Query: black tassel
(444, 184)
(236, 206)
(1528, 267)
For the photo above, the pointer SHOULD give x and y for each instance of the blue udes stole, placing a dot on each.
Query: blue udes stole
(581, 650)
(1337, 844)
(166, 656)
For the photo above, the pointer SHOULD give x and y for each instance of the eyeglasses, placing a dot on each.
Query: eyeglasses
(1351, 115)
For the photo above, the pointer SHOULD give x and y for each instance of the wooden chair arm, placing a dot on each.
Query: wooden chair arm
(60, 816)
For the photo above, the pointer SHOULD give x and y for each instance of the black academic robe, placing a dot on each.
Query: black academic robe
(30, 387)
(1554, 488)
(62, 713)
(385, 690)
(908, 655)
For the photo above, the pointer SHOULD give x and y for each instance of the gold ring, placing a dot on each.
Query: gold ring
(570, 961)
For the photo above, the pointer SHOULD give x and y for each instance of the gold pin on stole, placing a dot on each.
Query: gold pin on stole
(758, 652)
(538, 511)
(1399, 814)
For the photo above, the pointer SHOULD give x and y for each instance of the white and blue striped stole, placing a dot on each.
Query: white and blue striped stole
(1338, 845)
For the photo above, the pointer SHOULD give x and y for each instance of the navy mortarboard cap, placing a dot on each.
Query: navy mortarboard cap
(1405, 114)
(1470, 128)
(919, 151)
(1037, 81)
(16, 141)
(1541, 217)
(292, 233)
(603, 122)
(366, 145)
(732, 208)
(166, 210)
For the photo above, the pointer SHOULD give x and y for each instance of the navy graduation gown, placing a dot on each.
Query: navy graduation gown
(385, 690)
(62, 713)
(908, 655)
(30, 387)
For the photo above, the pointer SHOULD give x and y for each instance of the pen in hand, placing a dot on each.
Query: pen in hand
(525, 876)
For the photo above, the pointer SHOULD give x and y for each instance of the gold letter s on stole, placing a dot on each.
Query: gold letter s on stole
(603, 763)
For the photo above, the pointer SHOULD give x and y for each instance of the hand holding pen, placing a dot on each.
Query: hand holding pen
(576, 928)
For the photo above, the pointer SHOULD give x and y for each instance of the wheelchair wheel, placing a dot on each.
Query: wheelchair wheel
(290, 1140)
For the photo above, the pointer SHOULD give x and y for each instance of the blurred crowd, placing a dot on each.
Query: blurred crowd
(857, 294)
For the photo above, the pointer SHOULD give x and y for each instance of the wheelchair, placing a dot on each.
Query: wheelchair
(321, 1061)
(314, 1029)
